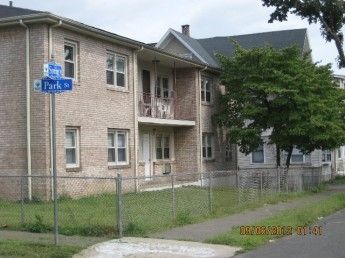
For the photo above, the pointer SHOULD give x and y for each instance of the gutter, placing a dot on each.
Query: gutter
(28, 106)
(200, 116)
(136, 127)
(50, 51)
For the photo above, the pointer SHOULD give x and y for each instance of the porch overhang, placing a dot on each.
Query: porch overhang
(166, 122)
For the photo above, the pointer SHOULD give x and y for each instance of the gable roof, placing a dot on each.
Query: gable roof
(10, 11)
(207, 48)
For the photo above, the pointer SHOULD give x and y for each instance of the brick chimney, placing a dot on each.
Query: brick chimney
(11, 3)
(185, 30)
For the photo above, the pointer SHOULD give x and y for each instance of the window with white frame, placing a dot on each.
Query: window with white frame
(258, 156)
(117, 147)
(326, 156)
(207, 146)
(298, 157)
(70, 50)
(163, 146)
(206, 88)
(116, 70)
(72, 147)
(162, 87)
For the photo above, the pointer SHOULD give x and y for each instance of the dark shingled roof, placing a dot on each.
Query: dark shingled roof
(276, 39)
(10, 11)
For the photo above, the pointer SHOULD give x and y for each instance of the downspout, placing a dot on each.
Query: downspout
(28, 106)
(200, 116)
(136, 127)
(50, 51)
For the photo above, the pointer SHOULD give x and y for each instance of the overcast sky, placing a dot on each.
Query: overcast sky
(149, 20)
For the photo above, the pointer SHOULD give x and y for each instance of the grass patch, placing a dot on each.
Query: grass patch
(10, 248)
(301, 216)
(337, 180)
(143, 213)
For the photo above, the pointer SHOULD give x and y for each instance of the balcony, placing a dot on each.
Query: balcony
(168, 111)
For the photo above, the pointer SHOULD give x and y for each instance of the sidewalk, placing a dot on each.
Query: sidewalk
(208, 229)
(166, 244)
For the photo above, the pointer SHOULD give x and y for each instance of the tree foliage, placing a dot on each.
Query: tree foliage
(284, 92)
(330, 14)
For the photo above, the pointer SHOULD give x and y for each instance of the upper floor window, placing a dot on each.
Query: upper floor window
(72, 147)
(206, 88)
(70, 50)
(116, 70)
(258, 155)
(163, 146)
(162, 87)
(117, 147)
(207, 146)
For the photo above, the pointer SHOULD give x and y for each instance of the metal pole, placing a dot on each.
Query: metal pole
(56, 227)
(173, 204)
(21, 201)
(119, 205)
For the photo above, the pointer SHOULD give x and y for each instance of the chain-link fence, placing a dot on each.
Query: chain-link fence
(128, 206)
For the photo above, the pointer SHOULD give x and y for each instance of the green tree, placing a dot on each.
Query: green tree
(330, 14)
(284, 92)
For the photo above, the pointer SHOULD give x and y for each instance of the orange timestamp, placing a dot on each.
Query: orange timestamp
(280, 230)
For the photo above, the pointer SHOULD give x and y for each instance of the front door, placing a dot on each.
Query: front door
(146, 148)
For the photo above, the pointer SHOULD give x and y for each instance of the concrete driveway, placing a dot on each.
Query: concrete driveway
(149, 248)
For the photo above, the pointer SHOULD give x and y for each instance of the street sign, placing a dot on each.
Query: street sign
(56, 86)
(52, 70)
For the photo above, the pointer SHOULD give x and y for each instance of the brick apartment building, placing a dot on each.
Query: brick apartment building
(135, 109)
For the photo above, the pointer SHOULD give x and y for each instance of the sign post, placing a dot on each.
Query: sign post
(53, 83)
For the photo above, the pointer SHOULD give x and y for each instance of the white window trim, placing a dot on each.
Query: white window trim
(75, 58)
(203, 89)
(171, 145)
(76, 131)
(116, 131)
(211, 135)
(162, 76)
(115, 71)
(296, 152)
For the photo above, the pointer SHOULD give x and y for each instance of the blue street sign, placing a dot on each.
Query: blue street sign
(56, 86)
(52, 70)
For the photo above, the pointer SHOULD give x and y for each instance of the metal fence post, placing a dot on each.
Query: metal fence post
(119, 204)
(261, 194)
(173, 204)
(21, 201)
(238, 187)
(211, 191)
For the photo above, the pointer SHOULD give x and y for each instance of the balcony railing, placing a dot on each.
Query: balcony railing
(165, 108)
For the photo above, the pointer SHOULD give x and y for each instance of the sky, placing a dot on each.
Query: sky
(148, 20)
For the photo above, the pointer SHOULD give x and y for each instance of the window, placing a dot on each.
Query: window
(326, 156)
(116, 70)
(228, 151)
(207, 146)
(162, 146)
(162, 87)
(206, 87)
(117, 147)
(70, 60)
(72, 147)
(298, 157)
(258, 155)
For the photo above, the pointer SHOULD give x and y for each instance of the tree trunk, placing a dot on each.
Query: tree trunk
(278, 156)
(289, 157)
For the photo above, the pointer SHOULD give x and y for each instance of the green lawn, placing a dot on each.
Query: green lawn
(142, 213)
